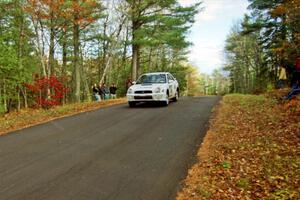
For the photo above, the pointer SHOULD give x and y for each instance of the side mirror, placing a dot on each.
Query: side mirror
(134, 82)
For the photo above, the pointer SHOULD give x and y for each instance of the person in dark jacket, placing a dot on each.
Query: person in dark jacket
(294, 91)
(296, 73)
(96, 92)
(101, 92)
(112, 89)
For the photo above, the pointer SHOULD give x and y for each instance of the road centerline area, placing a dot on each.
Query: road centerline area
(111, 153)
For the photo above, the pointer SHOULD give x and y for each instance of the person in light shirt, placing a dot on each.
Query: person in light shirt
(282, 78)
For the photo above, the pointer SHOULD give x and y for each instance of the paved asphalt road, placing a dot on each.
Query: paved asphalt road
(114, 153)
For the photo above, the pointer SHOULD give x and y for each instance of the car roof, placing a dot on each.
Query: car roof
(156, 73)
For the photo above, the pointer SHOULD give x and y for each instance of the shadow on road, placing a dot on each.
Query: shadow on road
(149, 105)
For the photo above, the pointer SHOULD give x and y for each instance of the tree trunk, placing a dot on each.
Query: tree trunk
(135, 61)
(135, 47)
(9, 105)
(1, 96)
(18, 99)
(20, 55)
(112, 47)
(135, 54)
(64, 62)
(51, 47)
(38, 47)
(85, 80)
(4, 96)
(150, 59)
(86, 85)
(105, 45)
(163, 59)
(125, 47)
(24, 94)
(77, 78)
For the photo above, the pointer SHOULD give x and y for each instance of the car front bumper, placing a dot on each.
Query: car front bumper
(147, 97)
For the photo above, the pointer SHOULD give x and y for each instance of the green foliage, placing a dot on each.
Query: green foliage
(179, 72)
(226, 164)
(17, 61)
(246, 62)
(203, 192)
(263, 41)
(243, 183)
(283, 194)
(160, 25)
(279, 28)
(37, 38)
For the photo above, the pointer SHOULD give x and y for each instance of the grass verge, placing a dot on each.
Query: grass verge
(30, 117)
(251, 151)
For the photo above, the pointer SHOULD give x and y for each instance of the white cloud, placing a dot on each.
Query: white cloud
(206, 56)
(210, 29)
(209, 11)
(213, 9)
(187, 2)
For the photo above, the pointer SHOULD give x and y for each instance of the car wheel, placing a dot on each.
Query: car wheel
(176, 96)
(166, 102)
(131, 104)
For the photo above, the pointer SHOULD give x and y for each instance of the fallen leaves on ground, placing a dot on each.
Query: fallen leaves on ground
(29, 117)
(250, 152)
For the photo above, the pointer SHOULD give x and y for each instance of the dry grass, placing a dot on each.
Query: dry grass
(250, 152)
(29, 117)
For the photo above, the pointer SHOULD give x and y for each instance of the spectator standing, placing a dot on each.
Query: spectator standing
(112, 89)
(96, 92)
(294, 91)
(105, 91)
(128, 83)
(282, 78)
(101, 92)
(296, 73)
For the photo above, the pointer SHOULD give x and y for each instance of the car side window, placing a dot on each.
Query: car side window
(170, 77)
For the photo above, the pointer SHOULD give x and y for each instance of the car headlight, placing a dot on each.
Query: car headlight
(157, 90)
(129, 91)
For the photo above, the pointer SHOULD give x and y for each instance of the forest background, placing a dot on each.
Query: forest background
(53, 51)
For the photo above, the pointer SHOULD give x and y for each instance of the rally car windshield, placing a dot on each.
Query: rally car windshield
(152, 78)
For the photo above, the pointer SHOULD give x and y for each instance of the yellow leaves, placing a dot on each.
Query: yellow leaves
(297, 37)
(279, 51)
(278, 11)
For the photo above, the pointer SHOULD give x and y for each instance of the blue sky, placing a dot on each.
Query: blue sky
(209, 32)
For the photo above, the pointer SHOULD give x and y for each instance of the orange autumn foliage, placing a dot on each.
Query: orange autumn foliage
(293, 106)
(289, 12)
(278, 11)
(86, 11)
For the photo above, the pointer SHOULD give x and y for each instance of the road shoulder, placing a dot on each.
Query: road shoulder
(30, 117)
(249, 152)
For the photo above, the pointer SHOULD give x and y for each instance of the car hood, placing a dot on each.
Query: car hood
(138, 87)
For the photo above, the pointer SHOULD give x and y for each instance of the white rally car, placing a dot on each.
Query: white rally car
(158, 87)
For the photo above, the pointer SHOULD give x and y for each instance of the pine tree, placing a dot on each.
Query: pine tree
(278, 24)
(17, 61)
(157, 23)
